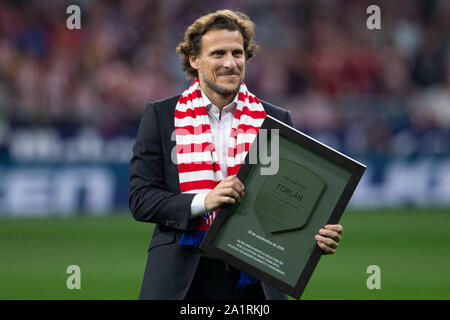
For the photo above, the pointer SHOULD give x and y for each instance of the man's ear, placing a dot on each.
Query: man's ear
(193, 60)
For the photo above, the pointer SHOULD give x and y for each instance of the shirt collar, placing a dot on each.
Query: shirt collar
(214, 110)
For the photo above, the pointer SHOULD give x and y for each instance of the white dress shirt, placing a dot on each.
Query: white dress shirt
(220, 122)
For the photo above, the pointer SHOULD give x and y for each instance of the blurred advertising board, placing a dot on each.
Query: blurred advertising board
(64, 170)
(53, 171)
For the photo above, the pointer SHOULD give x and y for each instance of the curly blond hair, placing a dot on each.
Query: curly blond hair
(219, 20)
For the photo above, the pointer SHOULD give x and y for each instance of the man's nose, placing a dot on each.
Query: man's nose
(229, 61)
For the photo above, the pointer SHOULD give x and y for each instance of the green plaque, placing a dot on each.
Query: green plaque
(270, 233)
(286, 200)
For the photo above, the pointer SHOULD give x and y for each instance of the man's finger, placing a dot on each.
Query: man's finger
(237, 183)
(229, 200)
(328, 241)
(239, 186)
(335, 227)
(230, 192)
(326, 249)
(330, 234)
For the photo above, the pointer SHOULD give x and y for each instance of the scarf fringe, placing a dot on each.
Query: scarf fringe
(245, 280)
(192, 238)
(195, 239)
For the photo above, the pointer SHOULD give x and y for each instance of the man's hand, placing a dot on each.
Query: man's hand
(229, 190)
(329, 237)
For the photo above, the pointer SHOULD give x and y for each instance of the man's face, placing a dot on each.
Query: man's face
(221, 62)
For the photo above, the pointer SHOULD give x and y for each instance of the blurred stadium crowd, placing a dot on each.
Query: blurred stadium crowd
(381, 91)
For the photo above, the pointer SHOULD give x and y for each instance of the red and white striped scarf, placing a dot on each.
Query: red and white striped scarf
(198, 163)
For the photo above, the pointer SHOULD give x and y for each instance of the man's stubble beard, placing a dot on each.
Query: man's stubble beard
(222, 91)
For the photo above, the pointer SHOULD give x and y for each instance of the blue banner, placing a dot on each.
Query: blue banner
(52, 171)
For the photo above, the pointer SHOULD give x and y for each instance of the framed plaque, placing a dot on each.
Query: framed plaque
(302, 186)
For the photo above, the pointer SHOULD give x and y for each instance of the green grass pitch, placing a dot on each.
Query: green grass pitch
(411, 247)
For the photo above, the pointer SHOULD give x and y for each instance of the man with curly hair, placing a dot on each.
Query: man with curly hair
(188, 150)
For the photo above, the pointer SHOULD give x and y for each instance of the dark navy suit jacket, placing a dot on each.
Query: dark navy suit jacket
(155, 197)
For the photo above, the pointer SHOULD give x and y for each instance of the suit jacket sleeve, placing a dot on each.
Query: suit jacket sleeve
(149, 199)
